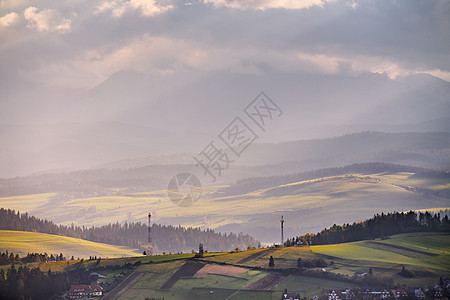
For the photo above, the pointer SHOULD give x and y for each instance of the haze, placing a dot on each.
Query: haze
(89, 82)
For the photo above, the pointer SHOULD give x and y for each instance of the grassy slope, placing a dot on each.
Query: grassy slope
(435, 244)
(22, 242)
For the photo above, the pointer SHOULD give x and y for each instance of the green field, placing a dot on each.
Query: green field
(308, 206)
(426, 254)
(22, 242)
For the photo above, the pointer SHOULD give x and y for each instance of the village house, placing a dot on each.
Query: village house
(420, 295)
(437, 295)
(333, 295)
(85, 291)
(368, 294)
(399, 294)
(290, 296)
(348, 294)
(338, 295)
(94, 278)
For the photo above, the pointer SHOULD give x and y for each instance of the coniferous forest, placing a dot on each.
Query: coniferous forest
(26, 283)
(165, 238)
(380, 226)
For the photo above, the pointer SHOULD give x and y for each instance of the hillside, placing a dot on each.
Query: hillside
(379, 226)
(426, 150)
(23, 242)
(246, 275)
(309, 201)
(134, 235)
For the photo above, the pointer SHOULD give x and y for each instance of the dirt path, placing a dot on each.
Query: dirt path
(267, 282)
(124, 286)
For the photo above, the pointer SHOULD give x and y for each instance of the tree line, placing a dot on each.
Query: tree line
(7, 258)
(380, 226)
(26, 283)
(165, 238)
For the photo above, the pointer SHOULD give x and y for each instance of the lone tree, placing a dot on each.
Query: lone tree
(299, 263)
(200, 251)
(271, 262)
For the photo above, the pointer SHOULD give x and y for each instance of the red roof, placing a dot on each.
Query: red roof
(80, 288)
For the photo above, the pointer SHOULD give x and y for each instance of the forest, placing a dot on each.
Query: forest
(7, 258)
(380, 226)
(27, 283)
(165, 238)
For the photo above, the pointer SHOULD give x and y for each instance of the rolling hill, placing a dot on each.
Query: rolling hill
(246, 275)
(308, 201)
(23, 242)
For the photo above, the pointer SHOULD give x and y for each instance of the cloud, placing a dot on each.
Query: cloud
(267, 4)
(118, 8)
(9, 20)
(47, 20)
(162, 55)
(333, 37)
(12, 4)
(146, 54)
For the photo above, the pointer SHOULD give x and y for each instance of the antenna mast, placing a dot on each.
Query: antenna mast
(149, 246)
(282, 228)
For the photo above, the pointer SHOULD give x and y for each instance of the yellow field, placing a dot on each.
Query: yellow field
(26, 203)
(22, 242)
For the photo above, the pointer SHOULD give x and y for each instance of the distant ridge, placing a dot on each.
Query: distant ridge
(255, 183)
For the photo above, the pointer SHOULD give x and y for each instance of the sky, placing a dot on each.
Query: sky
(192, 65)
(76, 45)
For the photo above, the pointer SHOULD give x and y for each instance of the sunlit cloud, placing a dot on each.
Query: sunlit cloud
(117, 8)
(9, 20)
(355, 65)
(46, 20)
(162, 55)
(267, 4)
(438, 73)
(352, 4)
(330, 40)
